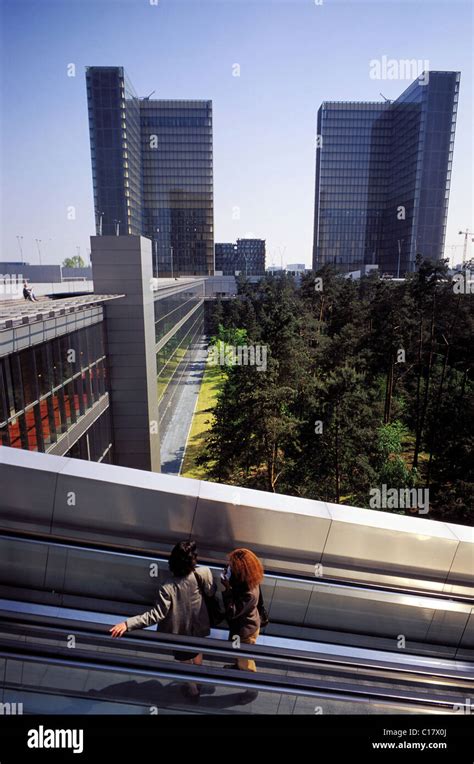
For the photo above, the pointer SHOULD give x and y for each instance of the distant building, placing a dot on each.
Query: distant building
(296, 268)
(44, 273)
(225, 258)
(383, 174)
(152, 171)
(246, 257)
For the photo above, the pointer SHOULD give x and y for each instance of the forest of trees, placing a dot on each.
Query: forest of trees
(367, 383)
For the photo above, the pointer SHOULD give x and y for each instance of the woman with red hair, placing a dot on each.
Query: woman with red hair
(241, 596)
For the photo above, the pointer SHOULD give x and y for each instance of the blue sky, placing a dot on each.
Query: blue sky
(292, 56)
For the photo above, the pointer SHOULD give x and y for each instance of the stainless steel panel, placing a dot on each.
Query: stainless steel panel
(389, 544)
(447, 627)
(268, 591)
(28, 482)
(125, 506)
(85, 576)
(467, 641)
(55, 567)
(13, 671)
(290, 602)
(134, 508)
(349, 572)
(229, 517)
(287, 704)
(358, 613)
(112, 577)
(22, 564)
(461, 575)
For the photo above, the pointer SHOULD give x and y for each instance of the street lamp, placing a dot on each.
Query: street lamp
(172, 273)
(101, 215)
(117, 227)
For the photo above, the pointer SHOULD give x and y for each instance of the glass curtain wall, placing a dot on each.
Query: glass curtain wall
(45, 388)
(179, 325)
(177, 165)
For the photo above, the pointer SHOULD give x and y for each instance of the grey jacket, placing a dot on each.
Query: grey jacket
(179, 606)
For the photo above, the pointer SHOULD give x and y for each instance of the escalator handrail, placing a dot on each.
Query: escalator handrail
(151, 641)
(217, 675)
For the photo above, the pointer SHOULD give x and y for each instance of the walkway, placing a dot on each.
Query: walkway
(174, 438)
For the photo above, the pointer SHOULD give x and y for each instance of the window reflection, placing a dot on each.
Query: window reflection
(44, 389)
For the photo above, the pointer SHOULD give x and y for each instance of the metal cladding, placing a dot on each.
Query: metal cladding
(80, 534)
(134, 509)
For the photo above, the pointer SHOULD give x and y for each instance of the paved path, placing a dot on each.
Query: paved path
(175, 435)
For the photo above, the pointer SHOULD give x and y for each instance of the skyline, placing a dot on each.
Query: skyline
(264, 126)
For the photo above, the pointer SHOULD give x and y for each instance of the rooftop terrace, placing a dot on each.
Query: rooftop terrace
(15, 313)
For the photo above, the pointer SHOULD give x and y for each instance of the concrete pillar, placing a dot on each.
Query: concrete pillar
(123, 265)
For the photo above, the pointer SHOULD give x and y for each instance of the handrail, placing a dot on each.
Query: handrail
(150, 641)
(232, 677)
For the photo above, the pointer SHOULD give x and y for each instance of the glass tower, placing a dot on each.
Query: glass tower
(176, 148)
(246, 257)
(114, 126)
(383, 175)
(152, 170)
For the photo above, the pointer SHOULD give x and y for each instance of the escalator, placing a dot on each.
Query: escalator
(65, 662)
(75, 575)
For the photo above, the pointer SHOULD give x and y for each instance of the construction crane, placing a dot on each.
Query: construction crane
(466, 235)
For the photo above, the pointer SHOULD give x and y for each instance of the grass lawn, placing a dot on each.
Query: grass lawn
(212, 382)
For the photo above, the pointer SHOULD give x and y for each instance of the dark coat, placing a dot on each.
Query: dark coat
(241, 609)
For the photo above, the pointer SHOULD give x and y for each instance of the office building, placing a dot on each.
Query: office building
(246, 257)
(152, 168)
(99, 376)
(383, 176)
(225, 258)
(54, 378)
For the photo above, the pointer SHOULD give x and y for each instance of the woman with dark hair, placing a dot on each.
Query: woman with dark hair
(241, 595)
(180, 607)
